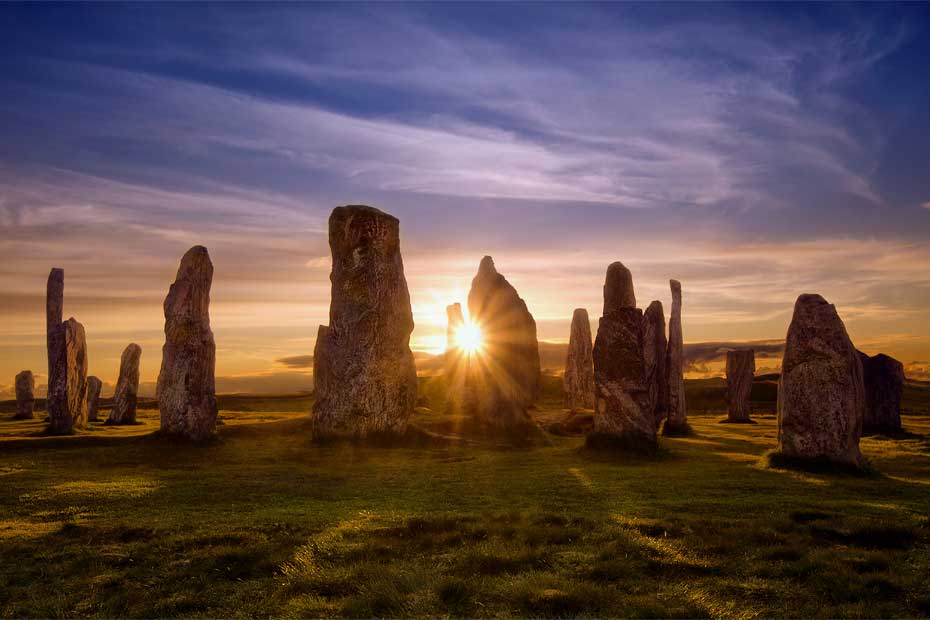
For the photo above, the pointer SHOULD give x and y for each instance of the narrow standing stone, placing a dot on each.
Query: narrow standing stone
(677, 421)
(55, 343)
(654, 353)
(884, 384)
(186, 388)
(741, 368)
(365, 380)
(94, 385)
(578, 381)
(25, 395)
(455, 361)
(127, 387)
(67, 402)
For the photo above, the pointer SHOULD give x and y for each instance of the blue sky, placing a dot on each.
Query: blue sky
(754, 152)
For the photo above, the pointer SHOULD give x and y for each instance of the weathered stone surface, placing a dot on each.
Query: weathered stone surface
(655, 347)
(821, 392)
(186, 388)
(127, 387)
(365, 380)
(67, 399)
(502, 382)
(94, 385)
(884, 383)
(677, 419)
(54, 341)
(25, 385)
(623, 403)
(741, 368)
(578, 380)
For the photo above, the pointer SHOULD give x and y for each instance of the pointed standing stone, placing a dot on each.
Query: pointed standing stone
(365, 380)
(186, 388)
(54, 340)
(623, 411)
(821, 392)
(677, 421)
(127, 387)
(578, 381)
(67, 400)
(884, 383)
(25, 395)
(502, 381)
(654, 352)
(94, 385)
(741, 368)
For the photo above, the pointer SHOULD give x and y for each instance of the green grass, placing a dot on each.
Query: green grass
(262, 522)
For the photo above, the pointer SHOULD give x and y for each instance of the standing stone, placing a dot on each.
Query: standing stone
(884, 383)
(127, 387)
(455, 361)
(741, 368)
(54, 341)
(623, 404)
(578, 380)
(186, 389)
(94, 385)
(821, 392)
(655, 348)
(67, 398)
(25, 395)
(502, 382)
(365, 380)
(454, 321)
(677, 421)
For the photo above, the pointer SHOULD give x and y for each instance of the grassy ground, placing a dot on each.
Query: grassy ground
(116, 522)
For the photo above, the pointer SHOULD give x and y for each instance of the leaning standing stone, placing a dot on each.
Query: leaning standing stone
(884, 383)
(186, 389)
(25, 395)
(821, 392)
(741, 368)
(365, 380)
(655, 347)
(578, 381)
(94, 385)
(127, 387)
(67, 400)
(677, 421)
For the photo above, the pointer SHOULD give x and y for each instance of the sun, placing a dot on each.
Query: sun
(468, 338)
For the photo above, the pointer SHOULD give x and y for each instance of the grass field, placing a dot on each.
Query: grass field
(117, 522)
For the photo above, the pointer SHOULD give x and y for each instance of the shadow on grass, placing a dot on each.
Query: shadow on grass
(819, 465)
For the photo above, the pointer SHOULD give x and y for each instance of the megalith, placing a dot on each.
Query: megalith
(578, 380)
(94, 385)
(25, 386)
(502, 380)
(655, 346)
(186, 387)
(821, 392)
(677, 420)
(884, 384)
(67, 397)
(365, 380)
(127, 387)
(741, 368)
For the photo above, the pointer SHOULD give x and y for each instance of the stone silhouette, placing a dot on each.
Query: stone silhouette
(365, 381)
(67, 398)
(578, 381)
(454, 321)
(25, 385)
(186, 388)
(54, 340)
(94, 385)
(624, 409)
(127, 387)
(741, 368)
(655, 347)
(821, 392)
(502, 381)
(884, 383)
(677, 420)
(455, 362)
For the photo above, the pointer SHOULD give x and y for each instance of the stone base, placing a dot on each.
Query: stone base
(818, 465)
(882, 430)
(737, 421)
(25, 416)
(632, 443)
(677, 430)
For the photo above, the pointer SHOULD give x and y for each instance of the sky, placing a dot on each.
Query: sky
(754, 152)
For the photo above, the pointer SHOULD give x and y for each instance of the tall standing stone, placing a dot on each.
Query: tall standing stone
(623, 402)
(67, 398)
(502, 382)
(741, 368)
(94, 385)
(578, 381)
(454, 321)
(25, 385)
(455, 361)
(821, 392)
(884, 384)
(186, 388)
(127, 387)
(677, 420)
(365, 380)
(55, 343)
(655, 347)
